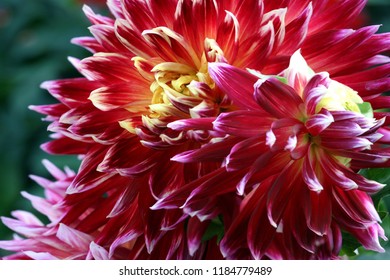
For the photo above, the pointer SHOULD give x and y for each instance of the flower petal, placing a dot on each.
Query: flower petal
(237, 84)
(277, 98)
(243, 123)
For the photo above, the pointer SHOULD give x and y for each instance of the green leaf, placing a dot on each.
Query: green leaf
(215, 228)
(366, 109)
(381, 175)
(350, 244)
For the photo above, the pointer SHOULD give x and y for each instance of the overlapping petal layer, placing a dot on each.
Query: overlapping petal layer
(294, 162)
(164, 117)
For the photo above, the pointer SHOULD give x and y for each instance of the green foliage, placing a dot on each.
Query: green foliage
(381, 175)
(35, 41)
(382, 203)
(366, 109)
(215, 228)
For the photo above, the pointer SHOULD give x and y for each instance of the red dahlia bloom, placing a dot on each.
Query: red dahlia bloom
(293, 154)
(34, 240)
(148, 71)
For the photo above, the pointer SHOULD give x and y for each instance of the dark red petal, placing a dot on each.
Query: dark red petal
(237, 84)
(210, 152)
(71, 92)
(195, 231)
(355, 208)
(318, 211)
(243, 123)
(234, 239)
(277, 98)
(309, 175)
(280, 191)
(196, 20)
(260, 232)
(245, 153)
(296, 31)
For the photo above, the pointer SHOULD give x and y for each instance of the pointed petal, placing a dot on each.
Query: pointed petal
(195, 231)
(280, 191)
(309, 175)
(319, 122)
(243, 123)
(237, 84)
(277, 98)
(74, 238)
(369, 237)
(98, 252)
(318, 212)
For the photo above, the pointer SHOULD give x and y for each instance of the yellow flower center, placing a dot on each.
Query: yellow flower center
(171, 88)
(340, 97)
(178, 90)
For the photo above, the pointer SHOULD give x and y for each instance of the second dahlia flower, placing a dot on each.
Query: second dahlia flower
(292, 155)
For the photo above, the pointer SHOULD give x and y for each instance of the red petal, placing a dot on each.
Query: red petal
(237, 84)
(243, 123)
(277, 98)
(280, 191)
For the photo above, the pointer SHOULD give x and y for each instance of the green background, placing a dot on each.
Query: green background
(34, 44)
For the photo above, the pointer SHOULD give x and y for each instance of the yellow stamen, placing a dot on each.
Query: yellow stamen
(340, 97)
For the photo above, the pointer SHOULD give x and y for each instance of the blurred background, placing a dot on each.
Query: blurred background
(34, 45)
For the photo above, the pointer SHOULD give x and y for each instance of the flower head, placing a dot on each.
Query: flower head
(150, 93)
(296, 154)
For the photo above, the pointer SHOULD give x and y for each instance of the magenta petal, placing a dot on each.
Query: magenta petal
(243, 123)
(262, 161)
(73, 237)
(97, 252)
(280, 192)
(260, 232)
(210, 152)
(355, 205)
(177, 198)
(192, 124)
(318, 212)
(245, 152)
(345, 144)
(277, 98)
(234, 239)
(237, 84)
(335, 173)
(319, 122)
(40, 256)
(369, 237)
(23, 228)
(309, 175)
(195, 231)
(314, 90)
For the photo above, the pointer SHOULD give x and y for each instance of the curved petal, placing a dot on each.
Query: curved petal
(243, 123)
(277, 98)
(309, 175)
(318, 212)
(237, 84)
(280, 191)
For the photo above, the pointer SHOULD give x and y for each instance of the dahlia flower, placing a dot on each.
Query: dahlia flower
(147, 96)
(60, 239)
(34, 240)
(295, 145)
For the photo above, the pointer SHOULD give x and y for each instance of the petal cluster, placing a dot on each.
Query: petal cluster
(192, 115)
(294, 160)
